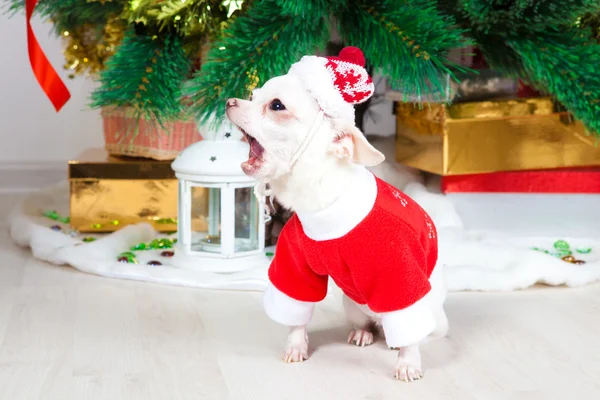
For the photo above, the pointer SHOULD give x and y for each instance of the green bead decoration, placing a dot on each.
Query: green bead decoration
(128, 257)
(161, 244)
(269, 254)
(540, 250)
(89, 239)
(96, 226)
(561, 245)
(156, 244)
(562, 250)
(139, 246)
(53, 215)
(563, 253)
(166, 221)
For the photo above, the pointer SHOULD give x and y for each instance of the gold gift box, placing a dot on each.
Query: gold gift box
(109, 192)
(490, 136)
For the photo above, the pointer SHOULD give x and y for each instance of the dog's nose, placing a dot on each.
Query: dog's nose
(231, 103)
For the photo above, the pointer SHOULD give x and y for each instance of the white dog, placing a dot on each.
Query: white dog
(378, 245)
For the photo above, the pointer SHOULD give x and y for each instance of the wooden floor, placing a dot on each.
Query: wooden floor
(68, 335)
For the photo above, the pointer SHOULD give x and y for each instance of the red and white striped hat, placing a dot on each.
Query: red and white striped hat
(337, 83)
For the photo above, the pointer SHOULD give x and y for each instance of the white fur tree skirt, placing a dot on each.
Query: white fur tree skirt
(484, 261)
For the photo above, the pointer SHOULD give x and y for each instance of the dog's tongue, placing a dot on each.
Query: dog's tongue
(256, 150)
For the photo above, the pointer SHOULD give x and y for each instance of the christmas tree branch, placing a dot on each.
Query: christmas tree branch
(70, 14)
(310, 9)
(565, 65)
(516, 18)
(146, 74)
(260, 44)
(408, 41)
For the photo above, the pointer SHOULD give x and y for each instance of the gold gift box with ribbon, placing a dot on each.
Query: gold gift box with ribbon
(109, 192)
(491, 136)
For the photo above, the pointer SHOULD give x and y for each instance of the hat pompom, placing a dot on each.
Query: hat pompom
(352, 54)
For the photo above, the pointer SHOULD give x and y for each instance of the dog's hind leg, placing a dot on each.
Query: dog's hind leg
(362, 334)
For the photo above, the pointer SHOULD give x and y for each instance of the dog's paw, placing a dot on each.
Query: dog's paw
(407, 373)
(295, 353)
(360, 337)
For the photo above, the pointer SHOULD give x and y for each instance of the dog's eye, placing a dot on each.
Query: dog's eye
(277, 105)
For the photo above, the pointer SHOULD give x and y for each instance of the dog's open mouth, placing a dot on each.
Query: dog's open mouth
(255, 157)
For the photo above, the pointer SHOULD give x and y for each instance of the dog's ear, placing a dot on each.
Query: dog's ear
(350, 143)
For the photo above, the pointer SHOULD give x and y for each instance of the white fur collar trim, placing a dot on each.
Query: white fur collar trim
(345, 213)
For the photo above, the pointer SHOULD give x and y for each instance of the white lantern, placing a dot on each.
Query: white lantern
(221, 221)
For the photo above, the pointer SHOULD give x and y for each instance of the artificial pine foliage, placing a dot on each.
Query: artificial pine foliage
(554, 45)
(70, 14)
(146, 74)
(260, 44)
(408, 41)
(542, 42)
(553, 62)
(408, 44)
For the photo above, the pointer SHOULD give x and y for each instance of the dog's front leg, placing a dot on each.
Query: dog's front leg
(408, 366)
(296, 349)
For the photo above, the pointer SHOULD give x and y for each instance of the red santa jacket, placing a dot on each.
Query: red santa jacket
(378, 246)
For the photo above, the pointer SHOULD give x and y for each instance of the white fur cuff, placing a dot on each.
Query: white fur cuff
(410, 325)
(284, 310)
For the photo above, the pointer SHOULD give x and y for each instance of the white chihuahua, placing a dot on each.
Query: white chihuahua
(377, 244)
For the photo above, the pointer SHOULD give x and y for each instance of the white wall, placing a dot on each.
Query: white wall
(32, 132)
(30, 129)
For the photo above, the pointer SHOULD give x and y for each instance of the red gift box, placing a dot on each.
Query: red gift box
(565, 180)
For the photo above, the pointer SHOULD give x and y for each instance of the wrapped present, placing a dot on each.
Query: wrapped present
(555, 203)
(125, 135)
(554, 181)
(109, 192)
(491, 136)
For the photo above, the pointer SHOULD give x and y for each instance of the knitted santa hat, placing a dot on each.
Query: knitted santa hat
(337, 83)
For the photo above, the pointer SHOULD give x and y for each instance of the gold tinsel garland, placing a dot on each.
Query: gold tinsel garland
(88, 46)
(591, 21)
(198, 21)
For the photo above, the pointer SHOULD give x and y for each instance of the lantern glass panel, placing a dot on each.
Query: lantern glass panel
(246, 220)
(205, 219)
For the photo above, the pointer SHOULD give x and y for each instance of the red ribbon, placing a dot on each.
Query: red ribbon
(47, 77)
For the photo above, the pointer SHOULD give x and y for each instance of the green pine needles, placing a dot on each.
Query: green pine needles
(544, 43)
(565, 65)
(408, 41)
(67, 15)
(260, 44)
(146, 74)
(553, 45)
